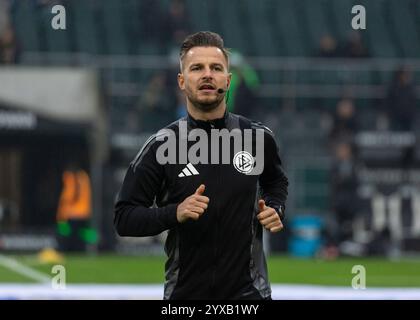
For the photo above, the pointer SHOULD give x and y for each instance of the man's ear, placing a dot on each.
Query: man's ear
(181, 82)
(229, 79)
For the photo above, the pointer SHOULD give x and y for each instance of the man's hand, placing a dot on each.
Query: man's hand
(193, 206)
(269, 218)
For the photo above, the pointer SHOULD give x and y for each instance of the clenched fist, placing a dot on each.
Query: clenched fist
(269, 218)
(193, 206)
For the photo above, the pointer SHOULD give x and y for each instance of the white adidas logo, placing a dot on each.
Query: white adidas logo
(189, 170)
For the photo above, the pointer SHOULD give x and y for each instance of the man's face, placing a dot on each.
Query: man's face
(204, 70)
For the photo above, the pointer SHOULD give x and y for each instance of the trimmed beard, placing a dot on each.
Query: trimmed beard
(207, 107)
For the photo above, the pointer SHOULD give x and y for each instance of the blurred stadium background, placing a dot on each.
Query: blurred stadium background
(77, 104)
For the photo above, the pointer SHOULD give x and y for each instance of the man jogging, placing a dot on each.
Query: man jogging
(213, 199)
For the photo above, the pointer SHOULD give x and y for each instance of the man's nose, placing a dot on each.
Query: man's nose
(207, 73)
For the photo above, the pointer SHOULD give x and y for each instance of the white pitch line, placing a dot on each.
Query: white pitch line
(15, 266)
(155, 292)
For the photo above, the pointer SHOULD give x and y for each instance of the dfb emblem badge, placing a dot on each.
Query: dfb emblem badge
(243, 162)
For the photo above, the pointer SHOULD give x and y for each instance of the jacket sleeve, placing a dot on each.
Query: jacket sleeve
(133, 215)
(273, 180)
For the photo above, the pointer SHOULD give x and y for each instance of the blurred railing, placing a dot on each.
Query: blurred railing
(282, 77)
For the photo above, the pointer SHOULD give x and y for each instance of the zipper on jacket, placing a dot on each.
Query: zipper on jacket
(216, 235)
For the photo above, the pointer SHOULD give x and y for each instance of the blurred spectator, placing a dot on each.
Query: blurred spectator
(9, 52)
(400, 102)
(4, 15)
(344, 121)
(344, 184)
(242, 97)
(354, 47)
(327, 47)
(132, 122)
(171, 83)
(75, 209)
(151, 22)
(156, 105)
(177, 23)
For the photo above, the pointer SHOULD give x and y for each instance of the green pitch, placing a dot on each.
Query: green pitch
(282, 269)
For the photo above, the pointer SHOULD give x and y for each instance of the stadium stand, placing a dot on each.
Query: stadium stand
(281, 39)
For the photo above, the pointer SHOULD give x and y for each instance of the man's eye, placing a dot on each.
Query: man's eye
(218, 68)
(195, 68)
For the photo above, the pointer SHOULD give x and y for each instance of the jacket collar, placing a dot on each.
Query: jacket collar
(219, 123)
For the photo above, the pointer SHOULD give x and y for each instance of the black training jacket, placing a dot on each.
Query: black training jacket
(220, 255)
